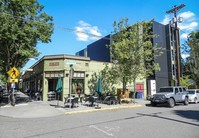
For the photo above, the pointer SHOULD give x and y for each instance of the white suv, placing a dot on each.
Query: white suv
(170, 95)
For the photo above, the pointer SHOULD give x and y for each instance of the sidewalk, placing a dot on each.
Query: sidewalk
(38, 109)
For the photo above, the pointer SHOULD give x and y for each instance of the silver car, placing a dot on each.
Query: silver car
(193, 95)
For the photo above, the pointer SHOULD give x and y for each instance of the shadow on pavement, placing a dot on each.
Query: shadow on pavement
(156, 115)
(190, 114)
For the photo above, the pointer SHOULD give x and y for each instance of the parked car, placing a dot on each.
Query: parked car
(193, 95)
(170, 95)
(2, 91)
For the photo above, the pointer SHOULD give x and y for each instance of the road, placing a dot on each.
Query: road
(150, 122)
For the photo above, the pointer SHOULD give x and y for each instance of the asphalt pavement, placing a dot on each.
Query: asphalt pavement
(38, 109)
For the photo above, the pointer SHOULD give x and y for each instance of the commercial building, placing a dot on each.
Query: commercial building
(165, 39)
(43, 76)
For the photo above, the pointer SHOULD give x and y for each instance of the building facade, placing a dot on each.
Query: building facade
(43, 75)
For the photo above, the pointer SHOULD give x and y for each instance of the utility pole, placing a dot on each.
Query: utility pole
(177, 45)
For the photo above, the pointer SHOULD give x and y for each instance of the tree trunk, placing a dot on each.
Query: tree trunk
(134, 83)
(124, 86)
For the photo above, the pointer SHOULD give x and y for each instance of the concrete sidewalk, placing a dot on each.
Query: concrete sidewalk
(38, 109)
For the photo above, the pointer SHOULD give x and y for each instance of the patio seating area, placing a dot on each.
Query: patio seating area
(71, 102)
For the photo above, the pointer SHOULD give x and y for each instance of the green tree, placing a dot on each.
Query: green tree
(108, 80)
(192, 63)
(92, 82)
(23, 25)
(185, 81)
(133, 50)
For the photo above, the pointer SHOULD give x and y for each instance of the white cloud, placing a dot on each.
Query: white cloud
(184, 56)
(86, 32)
(187, 15)
(184, 36)
(188, 26)
(166, 19)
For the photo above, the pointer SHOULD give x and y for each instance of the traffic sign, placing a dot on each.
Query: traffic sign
(13, 72)
(13, 80)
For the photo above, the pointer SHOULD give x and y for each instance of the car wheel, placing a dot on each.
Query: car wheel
(195, 100)
(186, 101)
(171, 102)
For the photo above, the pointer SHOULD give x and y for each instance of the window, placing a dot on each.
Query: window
(176, 90)
(184, 89)
(180, 89)
(86, 64)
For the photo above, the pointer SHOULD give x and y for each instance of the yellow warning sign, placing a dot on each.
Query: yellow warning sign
(13, 72)
(13, 80)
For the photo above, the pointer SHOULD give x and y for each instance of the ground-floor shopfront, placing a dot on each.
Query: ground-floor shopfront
(43, 76)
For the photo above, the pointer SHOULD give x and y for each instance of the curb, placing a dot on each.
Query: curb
(103, 109)
(17, 105)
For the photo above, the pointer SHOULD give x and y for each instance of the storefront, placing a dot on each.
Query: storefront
(44, 74)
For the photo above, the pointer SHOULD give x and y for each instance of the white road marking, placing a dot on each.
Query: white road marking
(112, 128)
(109, 134)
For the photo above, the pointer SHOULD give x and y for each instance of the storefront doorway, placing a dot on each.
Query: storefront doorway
(77, 86)
(52, 89)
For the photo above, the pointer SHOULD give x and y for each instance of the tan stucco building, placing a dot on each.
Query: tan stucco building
(43, 75)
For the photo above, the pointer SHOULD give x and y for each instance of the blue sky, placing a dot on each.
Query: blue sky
(97, 17)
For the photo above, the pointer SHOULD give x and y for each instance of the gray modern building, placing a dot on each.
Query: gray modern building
(165, 39)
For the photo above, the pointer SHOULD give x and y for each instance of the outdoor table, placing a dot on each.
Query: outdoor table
(51, 95)
(72, 100)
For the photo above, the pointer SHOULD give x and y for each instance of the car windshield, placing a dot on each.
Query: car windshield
(191, 92)
(166, 90)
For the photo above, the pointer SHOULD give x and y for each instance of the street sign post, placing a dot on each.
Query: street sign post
(13, 73)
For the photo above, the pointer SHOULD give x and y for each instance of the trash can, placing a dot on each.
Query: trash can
(132, 95)
(136, 95)
(139, 95)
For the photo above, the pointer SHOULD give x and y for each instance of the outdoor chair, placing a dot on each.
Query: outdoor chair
(110, 100)
(92, 100)
(74, 102)
(85, 99)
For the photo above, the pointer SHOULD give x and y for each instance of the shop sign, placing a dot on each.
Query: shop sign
(54, 64)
